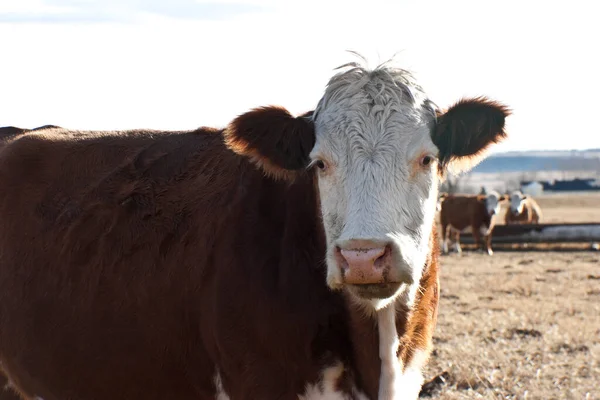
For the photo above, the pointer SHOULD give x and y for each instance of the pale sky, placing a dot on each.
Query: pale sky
(181, 64)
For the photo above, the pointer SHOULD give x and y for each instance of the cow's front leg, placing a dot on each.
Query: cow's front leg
(488, 243)
(457, 242)
(445, 234)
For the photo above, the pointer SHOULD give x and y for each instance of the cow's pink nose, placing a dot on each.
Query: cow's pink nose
(365, 265)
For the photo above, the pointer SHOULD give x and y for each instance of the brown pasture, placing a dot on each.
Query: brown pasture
(524, 323)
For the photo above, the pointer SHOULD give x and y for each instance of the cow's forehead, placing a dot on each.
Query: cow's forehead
(516, 196)
(493, 196)
(373, 98)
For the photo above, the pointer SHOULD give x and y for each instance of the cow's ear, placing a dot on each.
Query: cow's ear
(464, 131)
(525, 196)
(272, 138)
(504, 197)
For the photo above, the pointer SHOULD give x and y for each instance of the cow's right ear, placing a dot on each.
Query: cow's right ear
(464, 131)
(273, 139)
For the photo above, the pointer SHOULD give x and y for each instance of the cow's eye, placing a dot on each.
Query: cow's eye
(321, 165)
(426, 161)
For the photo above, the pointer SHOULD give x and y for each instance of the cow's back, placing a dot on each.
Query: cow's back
(97, 270)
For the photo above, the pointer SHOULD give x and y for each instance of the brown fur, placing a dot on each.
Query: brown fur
(7, 391)
(531, 213)
(137, 264)
(462, 211)
(279, 157)
(8, 133)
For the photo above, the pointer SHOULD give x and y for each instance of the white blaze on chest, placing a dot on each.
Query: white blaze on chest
(391, 367)
(392, 381)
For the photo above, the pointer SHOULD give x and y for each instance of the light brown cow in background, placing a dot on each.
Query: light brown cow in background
(523, 210)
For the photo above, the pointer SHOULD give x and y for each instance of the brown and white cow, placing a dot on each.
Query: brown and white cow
(476, 214)
(523, 209)
(282, 257)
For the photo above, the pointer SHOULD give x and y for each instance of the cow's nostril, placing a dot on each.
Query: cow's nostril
(382, 260)
(362, 257)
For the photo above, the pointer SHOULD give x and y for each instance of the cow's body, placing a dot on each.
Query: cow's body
(523, 210)
(151, 287)
(469, 213)
(214, 264)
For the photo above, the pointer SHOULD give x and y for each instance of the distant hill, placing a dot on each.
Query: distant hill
(551, 160)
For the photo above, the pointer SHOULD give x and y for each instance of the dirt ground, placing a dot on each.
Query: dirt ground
(524, 323)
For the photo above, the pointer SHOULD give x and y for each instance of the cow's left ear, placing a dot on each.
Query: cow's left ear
(466, 130)
(273, 139)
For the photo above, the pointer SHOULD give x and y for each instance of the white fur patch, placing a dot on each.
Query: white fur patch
(517, 201)
(492, 202)
(411, 381)
(393, 383)
(220, 392)
(325, 389)
(391, 367)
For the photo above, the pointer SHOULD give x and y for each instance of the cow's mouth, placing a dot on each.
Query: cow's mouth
(375, 290)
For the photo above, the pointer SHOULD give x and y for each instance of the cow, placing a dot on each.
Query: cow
(282, 256)
(470, 213)
(523, 209)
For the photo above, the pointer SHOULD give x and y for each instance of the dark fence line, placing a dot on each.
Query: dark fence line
(542, 233)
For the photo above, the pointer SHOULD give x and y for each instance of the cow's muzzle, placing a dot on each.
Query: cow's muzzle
(370, 269)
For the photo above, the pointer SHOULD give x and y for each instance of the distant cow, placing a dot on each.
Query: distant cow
(523, 209)
(470, 213)
(279, 258)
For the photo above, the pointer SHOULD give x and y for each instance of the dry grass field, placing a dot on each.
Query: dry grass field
(524, 323)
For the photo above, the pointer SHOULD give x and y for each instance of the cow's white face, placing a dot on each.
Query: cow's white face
(517, 201)
(377, 145)
(377, 177)
(492, 203)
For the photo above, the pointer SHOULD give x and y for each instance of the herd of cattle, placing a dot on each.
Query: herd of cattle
(478, 215)
(280, 257)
